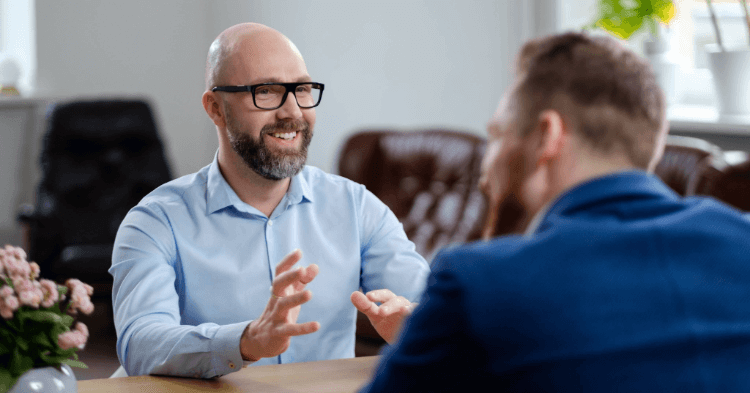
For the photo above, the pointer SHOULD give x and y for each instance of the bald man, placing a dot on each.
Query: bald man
(257, 258)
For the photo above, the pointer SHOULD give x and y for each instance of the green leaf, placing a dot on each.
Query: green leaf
(43, 316)
(67, 320)
(19, 363)
(7, 380)
(664, 10)
(42, 340)
(623, 18)
(22, 343)
(75, 363)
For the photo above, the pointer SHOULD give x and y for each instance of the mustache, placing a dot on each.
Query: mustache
(298, 125)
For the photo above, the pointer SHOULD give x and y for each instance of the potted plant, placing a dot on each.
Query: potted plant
(623, 18)
(730, 68)
(39, 336)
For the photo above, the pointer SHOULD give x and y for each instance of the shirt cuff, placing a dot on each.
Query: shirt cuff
(226, 348)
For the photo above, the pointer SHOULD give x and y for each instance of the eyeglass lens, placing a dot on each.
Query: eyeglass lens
(270, 96)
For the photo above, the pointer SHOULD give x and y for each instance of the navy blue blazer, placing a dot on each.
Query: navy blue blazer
(624, 287)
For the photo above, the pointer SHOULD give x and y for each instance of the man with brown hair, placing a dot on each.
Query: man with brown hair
(617, 284)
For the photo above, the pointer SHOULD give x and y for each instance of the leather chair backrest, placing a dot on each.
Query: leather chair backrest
(733, 185)
(427, 177)
(689, 165)
(98, 159)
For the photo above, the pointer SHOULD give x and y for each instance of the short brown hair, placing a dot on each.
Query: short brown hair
(605, 91)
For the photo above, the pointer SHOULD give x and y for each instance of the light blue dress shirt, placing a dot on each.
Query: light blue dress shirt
(193, 265)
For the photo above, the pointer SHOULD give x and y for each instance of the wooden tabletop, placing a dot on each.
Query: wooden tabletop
(343, 375)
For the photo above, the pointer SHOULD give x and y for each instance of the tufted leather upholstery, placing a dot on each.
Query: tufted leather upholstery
(732, 185)
(689, 165)
(428, 178)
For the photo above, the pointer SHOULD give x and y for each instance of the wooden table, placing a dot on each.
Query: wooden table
(343, 375)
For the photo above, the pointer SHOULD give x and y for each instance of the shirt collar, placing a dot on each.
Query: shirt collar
(621, 185)
(219, 194)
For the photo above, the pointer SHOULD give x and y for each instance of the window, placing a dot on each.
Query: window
(18, 39)
(690, 30)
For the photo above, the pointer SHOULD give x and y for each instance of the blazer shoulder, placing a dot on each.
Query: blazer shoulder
(478, 254)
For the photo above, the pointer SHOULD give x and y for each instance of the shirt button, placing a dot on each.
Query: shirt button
(231, 365)
(270, 223)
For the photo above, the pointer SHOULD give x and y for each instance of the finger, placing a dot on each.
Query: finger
(288, 302)
(393, 306)
(282, 281)
(307, 274)
(298, 329)
(363, 304)
(380, 295)
(288, 261)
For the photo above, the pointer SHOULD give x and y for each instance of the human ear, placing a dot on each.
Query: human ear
(551, 128)
(213, 109)
(659, 142)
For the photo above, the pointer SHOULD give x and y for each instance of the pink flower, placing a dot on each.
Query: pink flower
(35, 270)
(71, 339)
(79, 297)
(31, 298)
(8, 305)
(74, 338)
(83, 329)
(6, 291)
(21, 284)
(49, 290)
(12, 303)
(16, 267)
(74, 283)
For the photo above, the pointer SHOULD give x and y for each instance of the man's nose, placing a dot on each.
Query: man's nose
(290, 109)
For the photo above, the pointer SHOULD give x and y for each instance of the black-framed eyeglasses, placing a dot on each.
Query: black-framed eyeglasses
(273, 95)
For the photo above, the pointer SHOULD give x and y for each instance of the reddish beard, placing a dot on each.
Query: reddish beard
(507, 215)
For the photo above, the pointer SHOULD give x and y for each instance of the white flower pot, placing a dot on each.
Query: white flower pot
(731, 76)
(46, 379)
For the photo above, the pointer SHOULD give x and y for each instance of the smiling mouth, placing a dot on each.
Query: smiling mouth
(287, 136)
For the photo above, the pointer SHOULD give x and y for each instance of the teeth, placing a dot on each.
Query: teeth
(285, 135)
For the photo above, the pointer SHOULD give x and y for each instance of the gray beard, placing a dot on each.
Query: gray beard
(268, 164)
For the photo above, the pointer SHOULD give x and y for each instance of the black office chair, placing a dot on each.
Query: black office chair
(99, 158)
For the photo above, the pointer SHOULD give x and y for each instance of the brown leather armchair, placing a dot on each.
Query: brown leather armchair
(428, 178)
(690, 165)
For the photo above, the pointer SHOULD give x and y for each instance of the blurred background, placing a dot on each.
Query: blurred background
(392, 64)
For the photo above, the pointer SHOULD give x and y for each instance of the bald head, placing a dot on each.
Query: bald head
(227, 53)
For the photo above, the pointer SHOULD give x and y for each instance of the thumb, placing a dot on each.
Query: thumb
(363, 304)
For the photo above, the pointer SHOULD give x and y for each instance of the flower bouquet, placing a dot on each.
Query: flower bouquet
(36, 317)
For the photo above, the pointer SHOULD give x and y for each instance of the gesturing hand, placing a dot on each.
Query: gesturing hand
(387, 317)
(270, 334)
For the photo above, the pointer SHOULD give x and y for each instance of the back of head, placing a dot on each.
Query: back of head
(606, 92)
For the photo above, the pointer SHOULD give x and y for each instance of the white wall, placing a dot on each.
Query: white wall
(394, 64)
(397, 64)
(154, 49)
